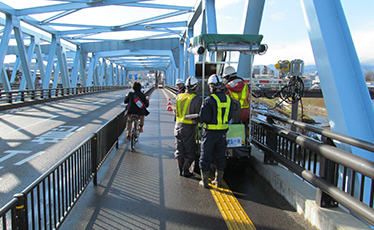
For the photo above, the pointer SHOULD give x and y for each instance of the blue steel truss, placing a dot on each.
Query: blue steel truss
(49, 43)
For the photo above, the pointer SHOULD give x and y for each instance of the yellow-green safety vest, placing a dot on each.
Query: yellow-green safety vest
(222, 121)
(243, 97)
(183, 107)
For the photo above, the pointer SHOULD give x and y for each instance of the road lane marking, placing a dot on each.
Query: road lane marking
(231, 210)
(98, 102)
(29, 158)
(34, 124)
(13, 153)
(56, 134)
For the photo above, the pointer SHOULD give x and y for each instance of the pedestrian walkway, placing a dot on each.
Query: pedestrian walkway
(143, 189)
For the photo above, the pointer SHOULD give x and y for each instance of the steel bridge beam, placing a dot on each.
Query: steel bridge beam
(343, 84)
(253, 19)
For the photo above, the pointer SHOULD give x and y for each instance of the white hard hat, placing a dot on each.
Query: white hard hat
(191, 82)
(215, 80)
(179, 81)
(228, 71)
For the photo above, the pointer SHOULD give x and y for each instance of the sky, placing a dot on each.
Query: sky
(283, 25)
(284, 29)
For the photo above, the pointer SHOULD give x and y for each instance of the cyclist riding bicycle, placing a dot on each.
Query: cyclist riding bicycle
(137, 103)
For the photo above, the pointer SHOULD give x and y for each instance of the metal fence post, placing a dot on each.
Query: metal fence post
(271, 142)
(294, 112)
(94, 153)
(9, 96)
(118, 130)
(19, 216)
(328, 171)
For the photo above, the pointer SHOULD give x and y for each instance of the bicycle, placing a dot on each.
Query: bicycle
(134, 130)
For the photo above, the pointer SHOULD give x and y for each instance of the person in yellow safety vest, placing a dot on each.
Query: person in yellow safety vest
(185, 131)
(237, 89)
(215, 115)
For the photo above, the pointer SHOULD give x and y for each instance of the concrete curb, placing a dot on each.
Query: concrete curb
(302, 196)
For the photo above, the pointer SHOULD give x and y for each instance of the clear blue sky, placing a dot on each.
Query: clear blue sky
(283, 24)
(284, 30)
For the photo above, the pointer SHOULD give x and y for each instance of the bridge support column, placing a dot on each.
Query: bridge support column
(343, 84)
(346, 95)
(252, 26)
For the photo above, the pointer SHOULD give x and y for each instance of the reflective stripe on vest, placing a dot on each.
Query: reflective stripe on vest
(243, 97)
(183, 107)
(222, 121)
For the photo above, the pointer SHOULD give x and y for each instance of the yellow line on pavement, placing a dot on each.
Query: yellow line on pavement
(232, 212)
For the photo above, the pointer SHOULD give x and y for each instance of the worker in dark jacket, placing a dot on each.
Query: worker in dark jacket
(185, 131)
(181, 86)
(215, 115)
(137, 103)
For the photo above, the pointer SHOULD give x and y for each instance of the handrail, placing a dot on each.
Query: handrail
(14, 98)
(327, 133)
(332, 170)
(46, 202)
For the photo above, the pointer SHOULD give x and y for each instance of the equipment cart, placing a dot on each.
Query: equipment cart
(213, 50)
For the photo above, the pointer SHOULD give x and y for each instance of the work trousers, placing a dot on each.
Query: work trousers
(213, 149)
(185, 140)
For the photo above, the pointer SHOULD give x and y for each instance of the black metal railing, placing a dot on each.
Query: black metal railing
(172, 89)
(339, 176)
(46, 203)
(41, 95)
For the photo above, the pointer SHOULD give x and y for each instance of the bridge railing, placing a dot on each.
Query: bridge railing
(14, 97)
(46, 203)
(339, 176)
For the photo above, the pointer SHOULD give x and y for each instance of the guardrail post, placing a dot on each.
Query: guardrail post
(9, 96)
(19, 216)
(294, 112)
(328, 171)
(271, 142)
(22, 96)
(94, 154)
(118, 130)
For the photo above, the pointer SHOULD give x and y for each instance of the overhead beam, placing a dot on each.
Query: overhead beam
(69, 6)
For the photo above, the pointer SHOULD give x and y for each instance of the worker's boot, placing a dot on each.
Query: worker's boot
(186, 167)
(219, 176)
(204, 179)
(180, 165)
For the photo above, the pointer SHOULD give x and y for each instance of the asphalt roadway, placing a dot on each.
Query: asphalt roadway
(143, 189)
(34, 138)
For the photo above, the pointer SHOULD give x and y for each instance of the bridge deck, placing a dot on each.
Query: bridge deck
(143, 189)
